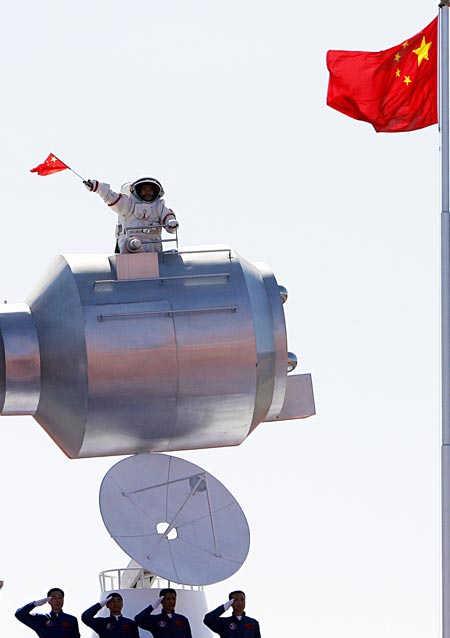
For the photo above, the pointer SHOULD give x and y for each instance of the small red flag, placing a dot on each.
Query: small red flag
(394, 90)
(51, 165)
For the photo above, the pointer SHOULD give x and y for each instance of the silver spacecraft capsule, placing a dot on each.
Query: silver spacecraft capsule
(165, 351)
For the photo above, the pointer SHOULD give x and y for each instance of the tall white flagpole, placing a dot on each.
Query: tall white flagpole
(445, 309)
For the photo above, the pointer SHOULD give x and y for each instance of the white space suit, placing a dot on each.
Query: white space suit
(142, 214)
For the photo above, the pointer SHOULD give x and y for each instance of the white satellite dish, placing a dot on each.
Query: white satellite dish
(174, 518)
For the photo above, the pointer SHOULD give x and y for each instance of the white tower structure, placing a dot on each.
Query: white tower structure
(139, 587)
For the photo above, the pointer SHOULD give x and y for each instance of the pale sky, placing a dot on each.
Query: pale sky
(225, 104)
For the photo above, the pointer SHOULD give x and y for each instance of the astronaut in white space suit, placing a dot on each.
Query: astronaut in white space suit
(142, 214)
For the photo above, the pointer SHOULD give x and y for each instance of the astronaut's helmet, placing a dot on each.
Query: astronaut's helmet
(140, 188)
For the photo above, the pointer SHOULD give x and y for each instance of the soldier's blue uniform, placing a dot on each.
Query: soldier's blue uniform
(163, 626)
(50, 625)
(116, 627)
(231, 626)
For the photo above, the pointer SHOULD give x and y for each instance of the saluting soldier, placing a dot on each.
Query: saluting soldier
(56, 624)
(114, 625)
(166, 624)
(238, 625)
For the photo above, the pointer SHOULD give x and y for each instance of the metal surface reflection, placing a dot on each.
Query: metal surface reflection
(150, 352)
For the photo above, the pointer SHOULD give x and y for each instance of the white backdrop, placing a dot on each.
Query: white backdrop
(225, 104)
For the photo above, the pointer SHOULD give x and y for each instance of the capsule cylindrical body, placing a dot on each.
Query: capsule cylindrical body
(187, 350)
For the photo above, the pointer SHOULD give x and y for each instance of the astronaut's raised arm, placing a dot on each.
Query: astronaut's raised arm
(120, 203)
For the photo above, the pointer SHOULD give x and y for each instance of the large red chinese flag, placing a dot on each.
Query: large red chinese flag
(394, 90)
(51, 165)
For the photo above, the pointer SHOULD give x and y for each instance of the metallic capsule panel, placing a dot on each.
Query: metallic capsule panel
(191, 353)
(299, 399)
(21, 360)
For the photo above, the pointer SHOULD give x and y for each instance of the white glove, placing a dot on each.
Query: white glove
(228, 604)
(172, 223)
(103, 602)
(89, 183)
(42, 601)
(157, 602)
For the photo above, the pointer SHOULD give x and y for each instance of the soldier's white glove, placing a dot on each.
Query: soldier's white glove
(157, 602)
(103, 602)
(89, 183)
(172, 223)
(42, 601)
(228, 604)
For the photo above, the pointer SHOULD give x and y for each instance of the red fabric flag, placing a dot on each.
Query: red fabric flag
(394, 90)
(51, 165)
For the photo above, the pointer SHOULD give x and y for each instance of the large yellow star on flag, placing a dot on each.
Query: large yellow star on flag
(422, 51)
